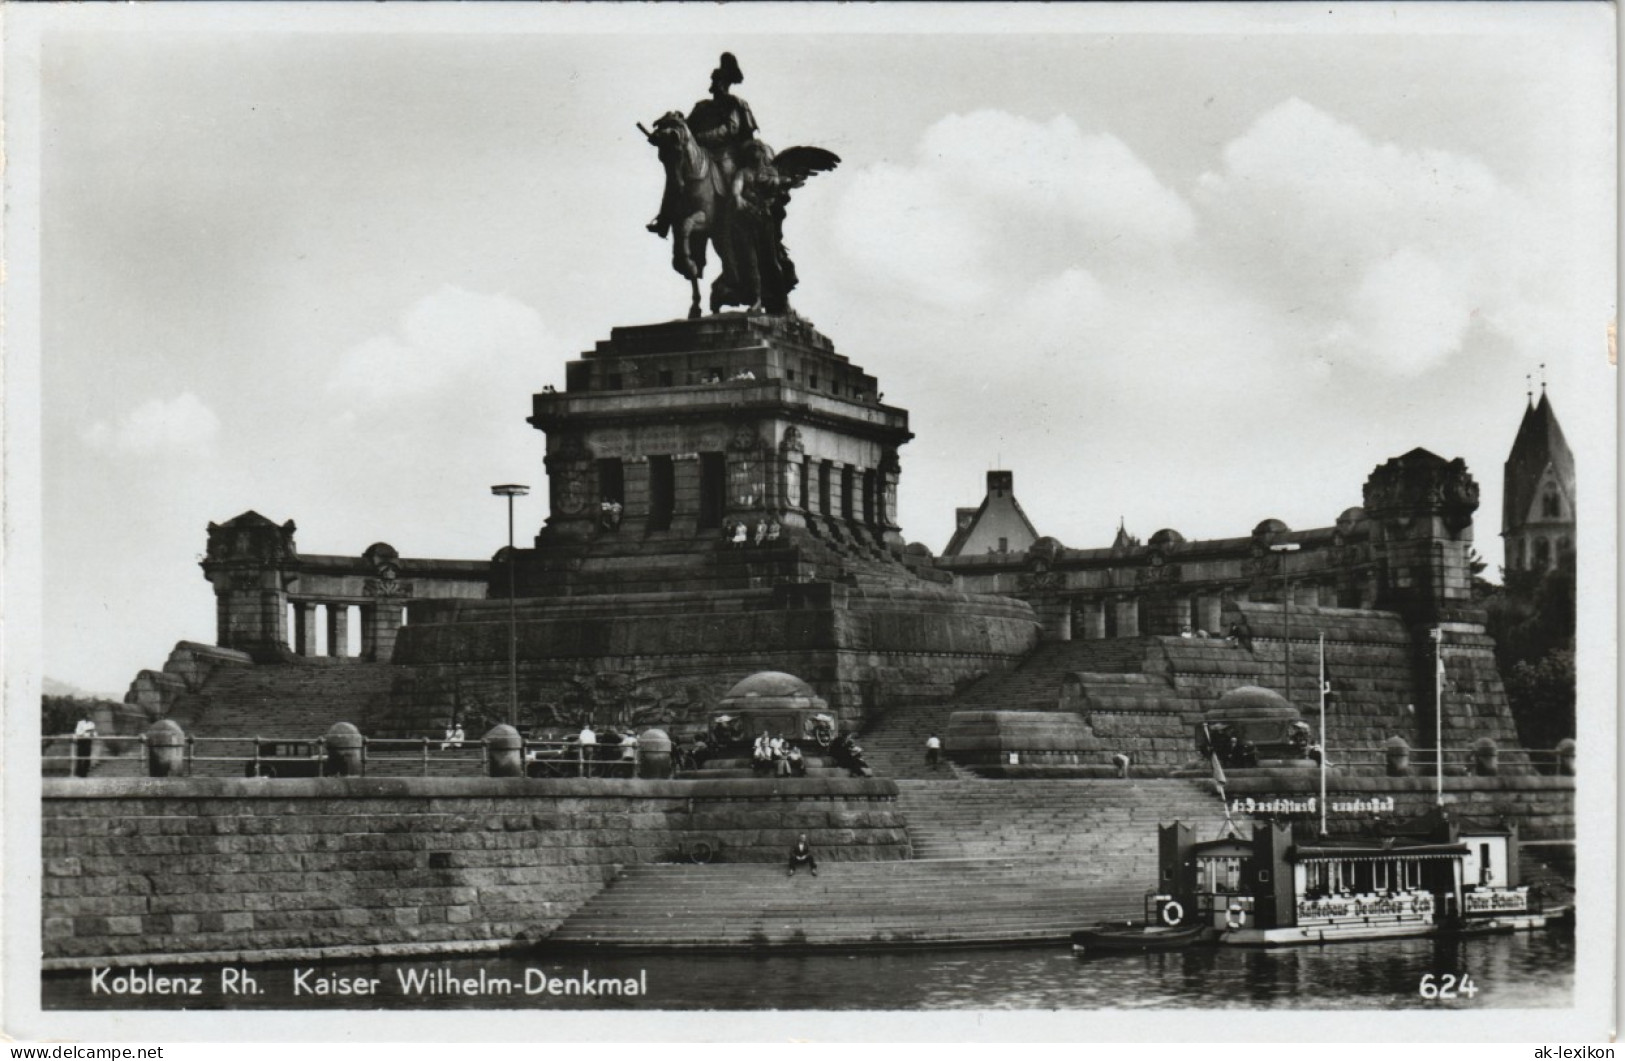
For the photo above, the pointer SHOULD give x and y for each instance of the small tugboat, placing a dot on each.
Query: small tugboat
(1166, 927)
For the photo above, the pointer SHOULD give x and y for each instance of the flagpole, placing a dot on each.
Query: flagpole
(1438, 709)
(1323, 733)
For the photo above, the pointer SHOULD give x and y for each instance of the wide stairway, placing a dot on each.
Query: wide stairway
(1035, 685)
(1108, 826)
(995, 862)
(285, 700)
(960, 901)
(895, 746)
(290, 702)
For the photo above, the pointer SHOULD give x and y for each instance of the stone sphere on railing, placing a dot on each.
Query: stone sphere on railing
(1399, 756)
(1565, 756)
(1486, 757)
(344, 743)
(504, 752)
(166, 749)
(654, 754)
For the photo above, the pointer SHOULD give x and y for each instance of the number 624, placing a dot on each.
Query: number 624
(1446, 986)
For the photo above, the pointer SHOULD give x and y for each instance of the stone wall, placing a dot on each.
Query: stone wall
(667, 661)
(141, 870)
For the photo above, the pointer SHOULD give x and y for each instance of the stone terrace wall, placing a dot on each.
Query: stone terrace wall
(865, 649)
(143, 870)
(1146, 696)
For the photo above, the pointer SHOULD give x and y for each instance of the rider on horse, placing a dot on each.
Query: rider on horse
(722, 125)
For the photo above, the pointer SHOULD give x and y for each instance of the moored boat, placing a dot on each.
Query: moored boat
(1166, 927)
(1274, 890)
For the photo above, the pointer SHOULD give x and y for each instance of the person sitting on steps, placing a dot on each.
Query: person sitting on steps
(802, 854)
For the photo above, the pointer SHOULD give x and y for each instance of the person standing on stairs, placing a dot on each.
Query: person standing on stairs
(933, 751)
(802, 854)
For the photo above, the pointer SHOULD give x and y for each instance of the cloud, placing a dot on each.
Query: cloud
(181, 425)
(446, 338)
(994, 204)
(1384, 255)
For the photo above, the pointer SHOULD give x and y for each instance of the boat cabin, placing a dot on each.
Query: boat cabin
(1273, 888)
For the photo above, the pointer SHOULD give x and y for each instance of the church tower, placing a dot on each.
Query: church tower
(1537, 507)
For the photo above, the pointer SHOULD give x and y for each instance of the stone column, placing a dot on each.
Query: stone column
(685, 473)
(304, 628)
(1208, 614)
(1128, 617)
(381, 621)
(1055, 618)
(889, 472)
(572, 488)
(635, 505)
(369, 633)
(1090, 624)
(338, 630)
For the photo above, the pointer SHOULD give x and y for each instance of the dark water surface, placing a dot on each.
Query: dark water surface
(1532, 969)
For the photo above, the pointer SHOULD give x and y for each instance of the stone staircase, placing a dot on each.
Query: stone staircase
(895, 746)
(1035, 685)
(1144, 696)
(294, 700)
(724, 768)
(995, 862)
(1107, 829)
(939, 902)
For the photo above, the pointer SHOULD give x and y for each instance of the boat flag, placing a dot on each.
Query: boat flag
(1219, 780)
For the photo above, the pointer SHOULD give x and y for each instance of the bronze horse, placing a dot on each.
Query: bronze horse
(702, 195)
(740, 218)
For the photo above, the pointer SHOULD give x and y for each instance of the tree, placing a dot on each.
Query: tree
(1532, 620)
(59, 714)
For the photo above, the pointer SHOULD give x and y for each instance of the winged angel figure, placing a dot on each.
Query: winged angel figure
(728, 189)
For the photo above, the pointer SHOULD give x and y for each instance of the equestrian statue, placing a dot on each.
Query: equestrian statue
(728, 189)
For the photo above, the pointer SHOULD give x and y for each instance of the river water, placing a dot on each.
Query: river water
(1526, 970)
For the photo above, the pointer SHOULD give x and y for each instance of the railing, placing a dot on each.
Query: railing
(282, 756)
(1458, 762)
(1363, 761)
(263, 756)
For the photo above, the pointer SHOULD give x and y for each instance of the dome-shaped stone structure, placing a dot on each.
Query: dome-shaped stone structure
(1167, 536)
(773, 702)
(1268, 527)
(1253, 726)
(1046, 549)
(771, 688)
(1352, 515)
(1250, 702)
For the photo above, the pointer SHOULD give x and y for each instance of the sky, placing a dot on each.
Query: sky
(1187, 272)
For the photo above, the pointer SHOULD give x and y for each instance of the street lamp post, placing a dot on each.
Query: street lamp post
(511, 491)
(1286, 596)
(1436, 635)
